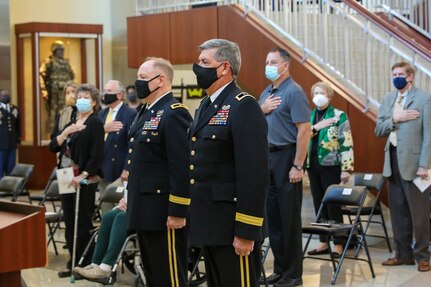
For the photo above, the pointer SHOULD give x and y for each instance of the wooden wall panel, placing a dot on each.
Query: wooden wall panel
(147, 36)
(44, 161)
(369, 150)
(189, 29)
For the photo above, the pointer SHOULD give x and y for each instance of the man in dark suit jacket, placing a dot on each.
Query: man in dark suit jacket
(405, 120)
(117, 118)
(10, 133)
(229, 170)
(158, 188)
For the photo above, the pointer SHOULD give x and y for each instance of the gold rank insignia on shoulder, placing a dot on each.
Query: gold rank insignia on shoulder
(178, 105)
(242, 96)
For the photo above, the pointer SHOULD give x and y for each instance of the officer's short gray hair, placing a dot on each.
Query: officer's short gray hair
(226, 51)
(164, 65)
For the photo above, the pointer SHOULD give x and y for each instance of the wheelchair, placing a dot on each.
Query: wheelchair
(130, 257)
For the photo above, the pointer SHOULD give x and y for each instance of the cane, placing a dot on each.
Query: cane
(75, 234)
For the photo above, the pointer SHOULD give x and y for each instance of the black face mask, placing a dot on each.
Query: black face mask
(142, 88)
(109, 98)
(132, 97)
(5, 99)
(205, 76)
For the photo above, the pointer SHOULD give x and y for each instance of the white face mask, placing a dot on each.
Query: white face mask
(320, 100)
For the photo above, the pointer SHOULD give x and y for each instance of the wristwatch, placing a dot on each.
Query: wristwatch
(297, 166)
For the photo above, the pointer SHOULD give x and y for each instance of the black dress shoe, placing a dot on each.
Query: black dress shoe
(289, 282)
(64, 273)
(271, 279)
(318, 252)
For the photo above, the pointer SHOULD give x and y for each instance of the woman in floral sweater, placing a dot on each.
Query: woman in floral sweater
(330, 156)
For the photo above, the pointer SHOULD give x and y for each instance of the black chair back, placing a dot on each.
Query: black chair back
(22, 170)
(372, 181)
(345, 195)
(111, 194)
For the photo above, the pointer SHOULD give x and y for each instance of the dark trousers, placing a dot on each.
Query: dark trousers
(111, 237)
(410, 211)
(321, 177)
(7, 161)
(224, 268)
(283, 206)
(85, 220)
(164, 257)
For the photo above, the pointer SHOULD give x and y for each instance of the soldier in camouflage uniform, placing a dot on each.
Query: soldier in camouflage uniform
(55, 72)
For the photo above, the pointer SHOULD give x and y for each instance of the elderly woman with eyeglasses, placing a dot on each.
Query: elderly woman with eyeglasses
(80, 145)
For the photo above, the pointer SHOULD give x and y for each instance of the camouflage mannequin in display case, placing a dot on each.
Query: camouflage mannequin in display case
(55, 72)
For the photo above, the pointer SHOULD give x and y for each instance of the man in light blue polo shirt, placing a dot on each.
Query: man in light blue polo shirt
(288, 114)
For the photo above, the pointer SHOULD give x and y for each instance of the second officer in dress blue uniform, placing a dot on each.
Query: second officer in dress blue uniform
(158, 186)
(10, 133)
(229, 170)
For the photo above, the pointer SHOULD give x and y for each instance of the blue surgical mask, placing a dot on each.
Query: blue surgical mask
(83, 105)
(399, 82)
(271, 73)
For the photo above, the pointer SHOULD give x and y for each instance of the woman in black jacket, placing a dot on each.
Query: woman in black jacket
(81, 147)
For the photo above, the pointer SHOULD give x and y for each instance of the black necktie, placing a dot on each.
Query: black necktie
(206, 104)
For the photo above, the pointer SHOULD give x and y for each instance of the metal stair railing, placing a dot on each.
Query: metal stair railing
(415, 13)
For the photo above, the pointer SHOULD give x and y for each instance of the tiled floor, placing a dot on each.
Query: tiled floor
(316, 272)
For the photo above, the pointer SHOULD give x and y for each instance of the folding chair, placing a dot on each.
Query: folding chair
(374, 183)
(341, 195)
(24, 171)
(43, 197)
(52, 218)
(10, 186)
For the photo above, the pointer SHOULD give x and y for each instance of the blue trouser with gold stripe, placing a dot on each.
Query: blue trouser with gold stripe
(225, 268)
(164, 257)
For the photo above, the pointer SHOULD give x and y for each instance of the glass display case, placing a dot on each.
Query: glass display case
(42, 74)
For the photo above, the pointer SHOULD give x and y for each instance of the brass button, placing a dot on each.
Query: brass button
(148, 140)
(118, 133)
(192, 181)
(158, 191)
(193, 139)
(129, 161)
(213, 137)
(234, 199)
(192, 152)
(115, 145)
(113, 159)
(130, 150)
(132, 139)
(192, 167)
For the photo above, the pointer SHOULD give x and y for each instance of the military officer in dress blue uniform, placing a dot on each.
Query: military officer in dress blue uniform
(229, 170)
(117, 118)
(10, 133)
(158, 183)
